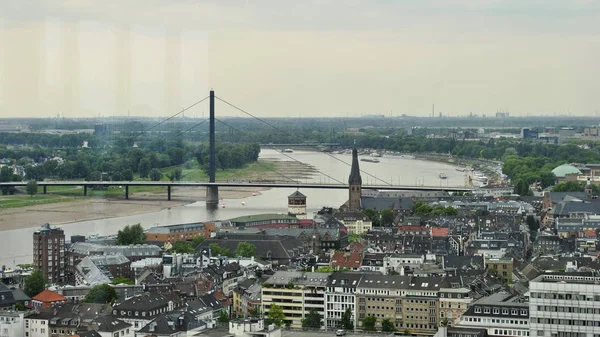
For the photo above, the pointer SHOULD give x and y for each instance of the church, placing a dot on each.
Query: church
(350, 213)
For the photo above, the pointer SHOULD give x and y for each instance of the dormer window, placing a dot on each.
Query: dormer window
(504, 311)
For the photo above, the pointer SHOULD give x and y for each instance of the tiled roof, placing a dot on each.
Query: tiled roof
(346, 260)
(48, 296)
(439, 231)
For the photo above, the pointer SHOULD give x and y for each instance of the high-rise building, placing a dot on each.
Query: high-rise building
(49, 252)
(565, 305)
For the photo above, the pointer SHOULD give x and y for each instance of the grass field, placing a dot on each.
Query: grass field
(69, 193)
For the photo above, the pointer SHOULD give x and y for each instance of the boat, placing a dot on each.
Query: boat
(370, 160)
(407, 156)
(287, 151)
(461, 169)
(223, 205)
(243, 203)
(375, 154)
(253, 194)
(443, 176)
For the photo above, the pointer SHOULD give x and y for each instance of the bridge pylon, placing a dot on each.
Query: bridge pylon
(212, 192)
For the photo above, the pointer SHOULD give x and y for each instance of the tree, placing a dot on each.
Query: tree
(35, 283)
(368, 323)
(155, 174)
(223, 317)
(144, 167)
(182, 247)
(346, 321)
(102, 294)
(275, 315)
(387, 325)
(245, 249)
(131, 235)
(197, 241)
(547, 179)
(218, 250)
(32, 187)
(387, 217)
(176, 174)
(121, 280)
(255, 311)
(312, 320)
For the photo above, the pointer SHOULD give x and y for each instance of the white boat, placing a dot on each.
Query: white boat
(253, 194)
(223, 205)
(287, 151)
(375, 154)
(443, 176)
(370, 160)
(243, 203)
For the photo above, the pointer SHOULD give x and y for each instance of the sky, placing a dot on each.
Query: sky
(280, 58)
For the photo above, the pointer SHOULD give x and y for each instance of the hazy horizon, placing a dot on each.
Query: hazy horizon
(308, 59)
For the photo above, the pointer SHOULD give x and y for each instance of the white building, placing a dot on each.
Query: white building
(356, 222)
(37, 325)
(253, 327)
(12, 323)
(565, 305)
(340, 296)
(501, 314)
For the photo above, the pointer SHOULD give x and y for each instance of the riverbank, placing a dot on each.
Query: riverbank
(69, 209)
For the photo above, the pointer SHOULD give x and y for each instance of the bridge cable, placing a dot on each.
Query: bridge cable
(284, 132)
(279, 173)
(168, 119)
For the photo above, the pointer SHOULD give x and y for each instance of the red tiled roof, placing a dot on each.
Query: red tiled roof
(589, 233)
(439, 232)
(346, 260)
(356, 246)
(48, 296)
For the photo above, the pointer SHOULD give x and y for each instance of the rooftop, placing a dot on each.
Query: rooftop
(263, 217)
(299, 278)
(569, 278)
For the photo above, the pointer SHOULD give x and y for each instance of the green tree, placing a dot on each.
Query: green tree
(182, 247)
(346, 322)
(547, 179)
(121, 280)
(131, 235)
(102, 293)
(569, 186)
(312, 320)
(451, 211)
(387, 217)
(32, 187)
(155, 174)
(176, 174)
(275, 315)
(197, 241)
(218, 250)
(255, 311)
(245, 249)
(35, 283)
(368, 323)
(223, 317)
(387, 325)
(144, 167)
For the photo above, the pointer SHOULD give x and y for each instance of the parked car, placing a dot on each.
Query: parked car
(340, 332)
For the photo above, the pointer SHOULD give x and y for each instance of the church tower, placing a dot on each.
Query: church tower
(355, 183)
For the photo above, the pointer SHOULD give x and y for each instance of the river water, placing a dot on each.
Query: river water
(16, 245)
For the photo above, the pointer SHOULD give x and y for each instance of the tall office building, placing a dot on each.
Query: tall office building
(565, 305)
(49, 252)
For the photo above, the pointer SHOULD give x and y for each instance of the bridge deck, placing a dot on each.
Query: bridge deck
(240, 184)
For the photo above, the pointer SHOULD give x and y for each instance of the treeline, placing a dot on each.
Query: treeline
(229, 155)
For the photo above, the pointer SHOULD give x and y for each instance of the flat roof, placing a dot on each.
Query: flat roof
(263, 217)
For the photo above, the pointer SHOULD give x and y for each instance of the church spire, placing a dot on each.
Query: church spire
(355, 178)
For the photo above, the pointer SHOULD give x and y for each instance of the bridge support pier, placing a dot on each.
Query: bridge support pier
(169, 192)
(85, 190)
(212, 195)
(45, 189)
(126, 192)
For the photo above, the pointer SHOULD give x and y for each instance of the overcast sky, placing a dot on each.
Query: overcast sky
(299, 58)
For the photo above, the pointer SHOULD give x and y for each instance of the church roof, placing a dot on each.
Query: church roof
(355, 178)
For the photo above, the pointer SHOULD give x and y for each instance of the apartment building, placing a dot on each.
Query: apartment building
(381, 296)
(296, 293)
(12, 323)
(180, 232)
(420, 304)
(565, 305)
(49, 252)
(340, 296)
(502, 314)
(454, 302)
(502, 266)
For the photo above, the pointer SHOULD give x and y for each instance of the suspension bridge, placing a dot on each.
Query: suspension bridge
(212, 186)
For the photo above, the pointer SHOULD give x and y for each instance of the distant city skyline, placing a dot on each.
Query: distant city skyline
(290, 59)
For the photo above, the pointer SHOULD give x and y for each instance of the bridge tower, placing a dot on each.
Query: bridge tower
(297, 205)
(212, 192)
(355, 183)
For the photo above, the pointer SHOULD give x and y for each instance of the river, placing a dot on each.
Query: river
(17, 248)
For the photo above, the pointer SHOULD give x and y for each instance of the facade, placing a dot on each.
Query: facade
(381, 296)
(247, 300)
(297, 293)
(502, 266)
(501, 314)
(297, 205)
(340, 296)
(140, 310)
(49, 252)
(284, 220)
(356, 221)
(12, 324)
(454, 302)
(38, 325)
(180, 232)
(565, 304)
